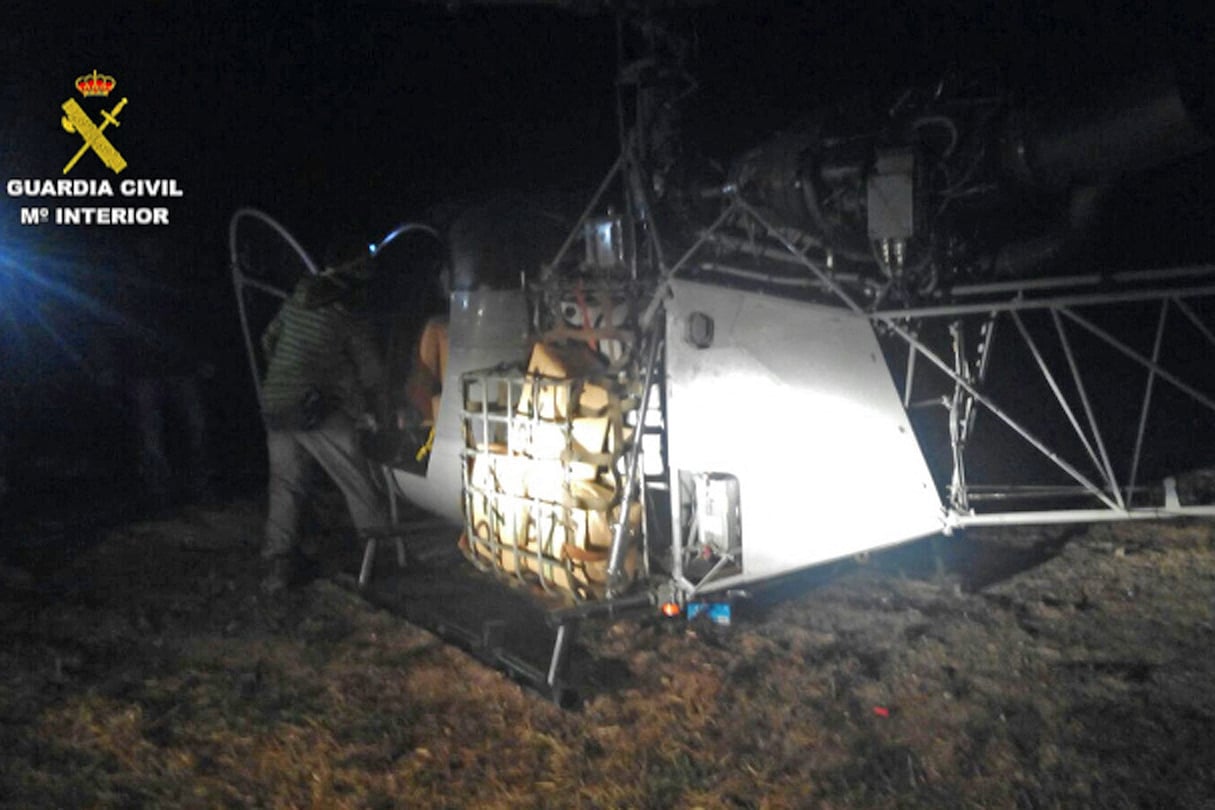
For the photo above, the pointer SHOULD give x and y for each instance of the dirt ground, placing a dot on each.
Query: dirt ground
(1042, 669)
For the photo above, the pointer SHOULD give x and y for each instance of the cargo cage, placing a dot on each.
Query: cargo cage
(544, 467)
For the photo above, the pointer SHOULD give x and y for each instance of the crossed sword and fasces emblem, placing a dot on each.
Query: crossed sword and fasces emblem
(75, 119)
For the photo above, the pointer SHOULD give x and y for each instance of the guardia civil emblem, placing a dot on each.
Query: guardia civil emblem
(75, 120)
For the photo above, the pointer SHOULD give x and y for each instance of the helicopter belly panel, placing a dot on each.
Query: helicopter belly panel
(794, 401)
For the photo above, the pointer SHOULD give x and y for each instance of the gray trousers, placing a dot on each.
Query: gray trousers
(292, 453)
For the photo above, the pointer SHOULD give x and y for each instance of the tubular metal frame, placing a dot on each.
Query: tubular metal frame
(1094, 481)
(493, 433)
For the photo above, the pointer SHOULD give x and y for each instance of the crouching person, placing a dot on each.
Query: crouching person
(323, 374)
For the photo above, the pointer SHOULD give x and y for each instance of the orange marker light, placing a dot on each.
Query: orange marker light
(670, 609)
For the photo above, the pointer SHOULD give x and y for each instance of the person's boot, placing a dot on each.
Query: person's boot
(278, 576)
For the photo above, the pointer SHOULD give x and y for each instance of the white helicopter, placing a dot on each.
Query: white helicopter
(687, 392)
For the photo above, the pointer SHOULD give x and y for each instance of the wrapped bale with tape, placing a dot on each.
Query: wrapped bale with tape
(543, 477)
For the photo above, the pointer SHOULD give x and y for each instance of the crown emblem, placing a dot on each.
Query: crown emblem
(95, 85)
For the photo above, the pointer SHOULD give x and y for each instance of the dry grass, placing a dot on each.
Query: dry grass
(1081, 681)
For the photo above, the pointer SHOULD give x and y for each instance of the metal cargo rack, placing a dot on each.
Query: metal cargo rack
(544, 472)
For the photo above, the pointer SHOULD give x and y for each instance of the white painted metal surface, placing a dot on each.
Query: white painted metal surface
(796, 401)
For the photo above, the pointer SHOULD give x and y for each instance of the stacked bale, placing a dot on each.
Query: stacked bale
(543, 497)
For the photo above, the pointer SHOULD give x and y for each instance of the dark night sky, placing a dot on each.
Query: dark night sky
(358, 115)
(315, 113)
(369, 111)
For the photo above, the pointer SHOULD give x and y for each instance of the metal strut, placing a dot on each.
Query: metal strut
(620, 537)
